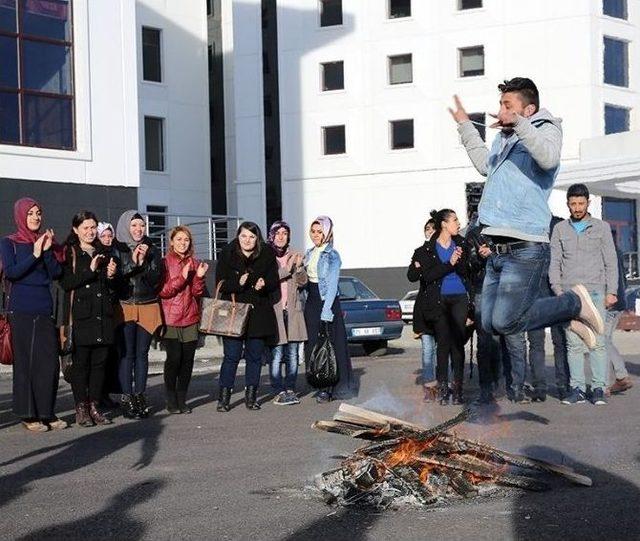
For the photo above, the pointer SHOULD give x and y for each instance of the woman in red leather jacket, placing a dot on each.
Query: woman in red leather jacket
(182, 287)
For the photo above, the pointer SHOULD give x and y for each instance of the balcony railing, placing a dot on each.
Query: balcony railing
(210, 233)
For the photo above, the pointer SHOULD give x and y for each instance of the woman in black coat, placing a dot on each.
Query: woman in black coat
(89, 279)
(247, 267)
(443, 302)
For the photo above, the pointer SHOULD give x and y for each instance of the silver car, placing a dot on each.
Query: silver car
(406, 305)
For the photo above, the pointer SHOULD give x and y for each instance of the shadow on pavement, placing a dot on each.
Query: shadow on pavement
(113, 522)
(345, 523)
(607, 510)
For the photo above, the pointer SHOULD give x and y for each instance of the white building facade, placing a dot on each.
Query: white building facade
(105, 107)
(363, 91)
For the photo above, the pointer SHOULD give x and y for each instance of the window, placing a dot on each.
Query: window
(401, 134)
(330, 12)
(334, 140)
(615, 8)
(399, 9)
(209, 7)
(400, 69)
(36, 74)
(332, 76)
(473, 192)
(151, 64)
(479, 120)
(153, 143)
(616, 62)
(472, 61)
(616, 119)
(157, 222)
(469, 4)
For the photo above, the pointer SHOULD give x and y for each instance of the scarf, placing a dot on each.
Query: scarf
(271, 237)
(104, 226)
(23, 234)
(327, 228)
(123, 231)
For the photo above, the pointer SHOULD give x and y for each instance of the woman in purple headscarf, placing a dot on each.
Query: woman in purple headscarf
(323, 305)
(289, 312)
(30, 262)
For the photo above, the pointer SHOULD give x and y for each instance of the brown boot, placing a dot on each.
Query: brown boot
(430, 393)
(621, 385)
(96, 416)
(82, 415)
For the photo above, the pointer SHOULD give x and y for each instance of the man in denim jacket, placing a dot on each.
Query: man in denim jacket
(521, 168)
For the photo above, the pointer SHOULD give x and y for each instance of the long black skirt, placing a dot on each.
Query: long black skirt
(347, 386)
(36, 365)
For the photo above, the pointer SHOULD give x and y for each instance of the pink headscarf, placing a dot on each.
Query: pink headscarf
(327, 227)
(21, 208)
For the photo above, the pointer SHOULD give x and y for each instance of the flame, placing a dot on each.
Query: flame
(406, 452)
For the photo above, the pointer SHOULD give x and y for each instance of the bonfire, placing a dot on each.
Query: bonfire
(405, 463)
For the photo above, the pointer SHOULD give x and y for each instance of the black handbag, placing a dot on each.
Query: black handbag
(322, 367)
(66, 335)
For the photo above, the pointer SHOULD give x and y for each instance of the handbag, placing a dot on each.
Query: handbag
(224, 318)
(66, 334)
(322, 367)
(6, 346)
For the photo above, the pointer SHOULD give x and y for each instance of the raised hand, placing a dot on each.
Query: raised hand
(202, 269)
(259, 284)
(95, 262)
(187, 269)
(459, 114)
(243, 278)
(455, 256)
(505, 119)
(48, 241)
(111, 268)
(38, 244)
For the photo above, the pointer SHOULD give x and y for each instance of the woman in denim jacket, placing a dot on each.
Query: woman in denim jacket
(323, 305)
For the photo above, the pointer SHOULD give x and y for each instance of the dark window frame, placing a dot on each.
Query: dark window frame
(321, 6)
(462, 8)
(160, 54)
(163, 150)
(611, 107)
(461, 74)
(324, 140)
(396, 17)
(392, 139)
(625, 11)
(482, 119)
(21, 37)
(323, 80)
(625, 50)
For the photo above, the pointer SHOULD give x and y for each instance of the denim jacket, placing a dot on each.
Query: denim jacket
(521, 170)
(328, 273)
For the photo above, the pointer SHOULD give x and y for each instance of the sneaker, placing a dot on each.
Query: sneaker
(280, 399)
(292, 398)
(598, 398)
(588, 312)
(577, 396)
(538, 395)
(57, 424)
(323, 397)
(585, 333)
(35, 426)
(621, 385)
(563, 392)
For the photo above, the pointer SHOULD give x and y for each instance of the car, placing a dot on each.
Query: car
(369, 320)
(406, 304)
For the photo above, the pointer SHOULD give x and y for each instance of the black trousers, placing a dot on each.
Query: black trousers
(88, 371)
(178, 365)
(450, 331)
(36, 365)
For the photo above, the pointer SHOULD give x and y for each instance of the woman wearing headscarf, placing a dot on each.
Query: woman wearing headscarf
(141, 264)
(289, 314)
(247, 268)
(323, 265)
(30, 261)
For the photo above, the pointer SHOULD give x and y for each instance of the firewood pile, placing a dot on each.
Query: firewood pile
(405, 463)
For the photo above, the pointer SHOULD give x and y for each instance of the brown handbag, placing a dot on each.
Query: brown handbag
(6, 344)
(224, 318)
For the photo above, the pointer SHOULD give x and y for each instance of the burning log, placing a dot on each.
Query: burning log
(409, 462)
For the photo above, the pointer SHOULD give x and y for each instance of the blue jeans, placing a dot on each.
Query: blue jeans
(515, 346)
(559, 339)
(615, 359)
(428, 358)
(489, 351)
(511, 301)
(290, 351)
(576, 350)
(232, 350)
(134, 358)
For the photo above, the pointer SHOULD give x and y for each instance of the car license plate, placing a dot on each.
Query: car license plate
(366, 331)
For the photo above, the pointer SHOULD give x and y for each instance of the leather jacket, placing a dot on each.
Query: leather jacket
(140, 283)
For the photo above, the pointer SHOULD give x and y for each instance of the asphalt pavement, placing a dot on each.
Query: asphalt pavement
(247, 475)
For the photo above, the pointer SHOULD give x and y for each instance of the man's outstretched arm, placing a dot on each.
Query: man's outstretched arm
(473, 143)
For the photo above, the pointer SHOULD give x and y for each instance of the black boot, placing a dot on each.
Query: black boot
(182, 402)
(223, 399)
(250, 398)
(140, 402)
(172, 402)
(443, 394)
(128, 406)
(457, 394)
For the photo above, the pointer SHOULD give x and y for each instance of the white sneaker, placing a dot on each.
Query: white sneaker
(584, 332)
(589, 314)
